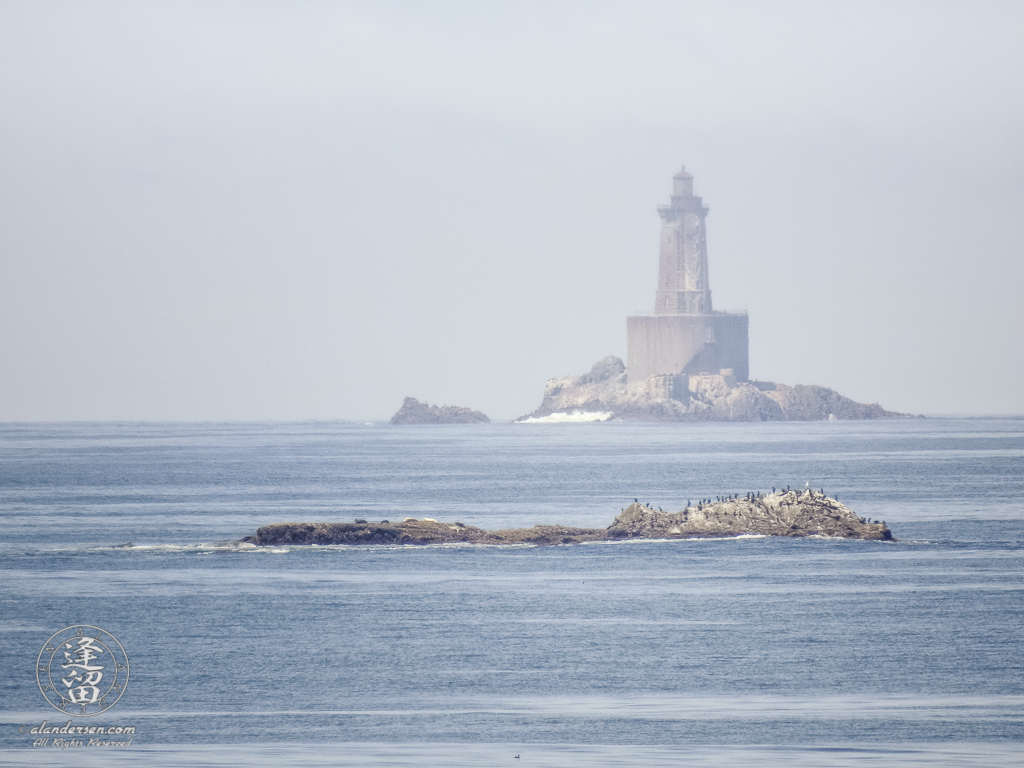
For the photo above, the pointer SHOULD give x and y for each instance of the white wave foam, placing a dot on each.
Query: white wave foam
(202, 548)
(576, 417)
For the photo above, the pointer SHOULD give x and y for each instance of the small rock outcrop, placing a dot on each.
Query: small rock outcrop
(782, 513)
(415, 412)
(605, 393)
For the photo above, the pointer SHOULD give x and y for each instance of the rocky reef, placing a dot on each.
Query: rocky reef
(415, 412)
(413, 531)
(781, 513)
(604, 394)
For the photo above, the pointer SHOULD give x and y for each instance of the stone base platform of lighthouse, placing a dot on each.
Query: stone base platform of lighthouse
(686, 344)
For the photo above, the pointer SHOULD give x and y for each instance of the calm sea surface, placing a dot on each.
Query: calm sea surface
(750, 651)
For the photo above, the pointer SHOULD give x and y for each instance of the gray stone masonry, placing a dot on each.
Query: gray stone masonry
(685, 335)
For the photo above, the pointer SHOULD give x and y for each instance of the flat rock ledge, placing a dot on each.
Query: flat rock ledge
(782, 513)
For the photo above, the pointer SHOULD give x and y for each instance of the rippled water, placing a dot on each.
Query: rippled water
(713, 652)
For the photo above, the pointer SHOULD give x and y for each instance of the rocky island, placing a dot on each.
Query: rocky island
(606, 393)
(781, 513)
(415, 412)
(688, 361)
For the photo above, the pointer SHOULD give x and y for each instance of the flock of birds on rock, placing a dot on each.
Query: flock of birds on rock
(754, 496)
(750, 496)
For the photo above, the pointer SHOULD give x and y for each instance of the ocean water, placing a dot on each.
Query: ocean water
(749, 651)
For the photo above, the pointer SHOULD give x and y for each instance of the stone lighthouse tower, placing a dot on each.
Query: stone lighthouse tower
(685, 335)
(683, 268)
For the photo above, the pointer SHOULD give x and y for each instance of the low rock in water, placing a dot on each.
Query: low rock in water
(415, 412)
(784, 513)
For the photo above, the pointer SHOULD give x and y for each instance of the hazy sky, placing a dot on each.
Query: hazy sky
(278, 210)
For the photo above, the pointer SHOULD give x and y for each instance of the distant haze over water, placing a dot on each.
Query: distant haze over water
(228, 211)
